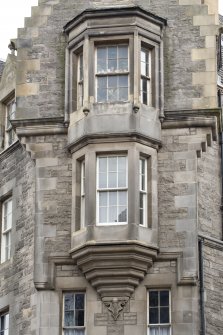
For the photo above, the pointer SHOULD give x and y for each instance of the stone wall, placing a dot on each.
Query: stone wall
(16, 285)
(213, 281)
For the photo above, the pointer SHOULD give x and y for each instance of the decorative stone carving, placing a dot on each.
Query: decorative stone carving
(115, 306)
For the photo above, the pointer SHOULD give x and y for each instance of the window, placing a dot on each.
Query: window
(82, 194)
(142, 191)
(80, 88)
(9, 115)
(112, 73)
(145, 76)
(6, 230)
(159, 312)
(74, 314)
(4, 323)
(112, 189)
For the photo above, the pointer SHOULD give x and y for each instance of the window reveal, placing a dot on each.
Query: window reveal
(112, 189)
(10, 115)
(83, 194)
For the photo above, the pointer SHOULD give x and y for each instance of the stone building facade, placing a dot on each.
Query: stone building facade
(110, 171)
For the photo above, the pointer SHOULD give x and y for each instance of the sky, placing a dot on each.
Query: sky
(12, 15)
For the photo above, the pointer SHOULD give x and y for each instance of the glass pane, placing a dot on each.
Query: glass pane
(112, 180)
(102, 82)
(121, 163)
(79, 301)
(102, 180)
(101, 53)
(103, 198)
(102, 95)
(123, 81)
(123, 94)
(69, 302)
(101, 66)
(112, 214)
(79, 318)
(69, 319)
(141, 203)
(122, 214)
(102, 164)
(103, 214)
(164, 330)
(123, 64)
(141, 216)
(153, 315)
(101, 60)
(2, 323)
(122, 198)
(112, 81)
(122, 179)
(154, 331)
(112, 94)
(79, 332)
(112, 164)
(112, 198)
(153, 298)
(112, 52)
(144, 98)
(112, 65)
(123, 51)
(70, 332)
(144, 85)
(164, 298)
(164, 314)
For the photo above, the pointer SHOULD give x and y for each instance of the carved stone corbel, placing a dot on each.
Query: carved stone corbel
(115, 305)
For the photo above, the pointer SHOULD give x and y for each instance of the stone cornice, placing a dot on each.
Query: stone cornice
(40, 126)
(113, 138)
(93, 13)
(194, 118)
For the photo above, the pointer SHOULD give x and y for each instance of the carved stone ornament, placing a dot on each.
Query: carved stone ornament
(115, 306)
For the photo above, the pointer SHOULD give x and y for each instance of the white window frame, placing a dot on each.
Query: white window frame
(146, 76)
(4, 318)
(107, 74)
(6, 231)
(109, 189)
(143, 192)
(74, 327)
(82, 225)
(159, 326)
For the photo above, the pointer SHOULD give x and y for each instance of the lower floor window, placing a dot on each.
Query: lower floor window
(159, 317)
(4, 323)
(74, 314)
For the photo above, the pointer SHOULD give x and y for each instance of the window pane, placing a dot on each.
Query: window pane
(69, 319)
(121, 163)
(112, 52)
(112, 81)
(102, 164)
(122, 214)
(101, 60)
(153, 315)
(164, 298)
(141, 216)
(164, 330)
(153, 298)
(112, 214)
(112, 198)
(122, 195)
(122, 179)
(123, 94)
(103, 215)
(103, 198)
(123, 64)
(123, 51)
(69, 302)
(112, 95)
(154, 331)
(112, 180)
(79, 318)
(102, 180)
(112, 65)
(112, 163)
(123, 81)
(79, 301)
(164, 314)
